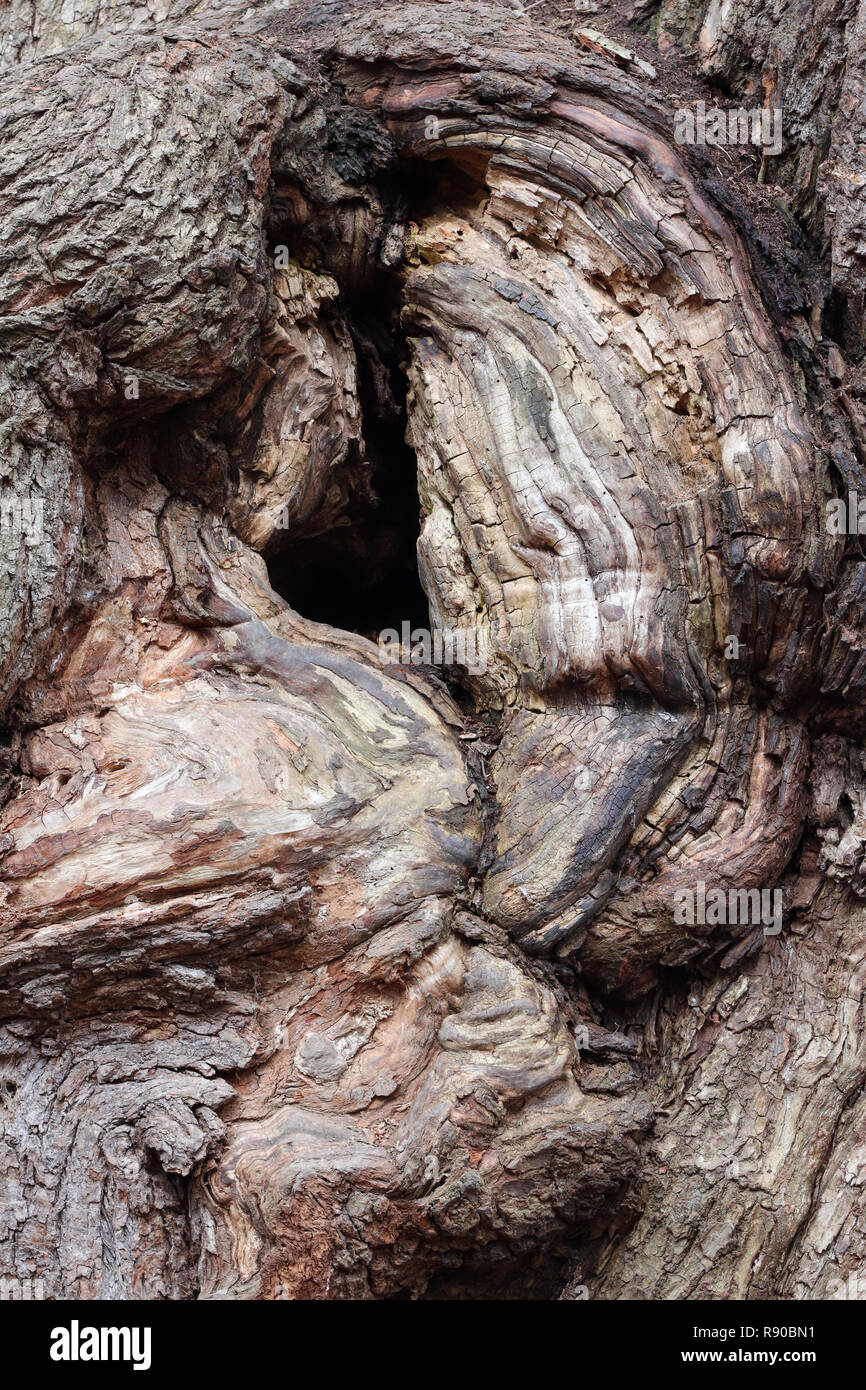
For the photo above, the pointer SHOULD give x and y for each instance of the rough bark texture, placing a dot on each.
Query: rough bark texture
(320, 976)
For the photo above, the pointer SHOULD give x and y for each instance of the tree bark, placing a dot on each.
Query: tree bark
(326, 973)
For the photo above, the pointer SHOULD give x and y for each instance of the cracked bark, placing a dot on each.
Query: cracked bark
(319, 976)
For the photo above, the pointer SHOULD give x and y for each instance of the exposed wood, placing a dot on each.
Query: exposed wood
(319, 977)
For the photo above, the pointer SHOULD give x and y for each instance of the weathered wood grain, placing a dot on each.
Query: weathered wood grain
(317, 979)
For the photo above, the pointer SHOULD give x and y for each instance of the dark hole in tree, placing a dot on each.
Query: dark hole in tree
(363, 576)
(842, 323)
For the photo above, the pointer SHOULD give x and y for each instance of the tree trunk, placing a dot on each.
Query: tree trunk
(514, 950)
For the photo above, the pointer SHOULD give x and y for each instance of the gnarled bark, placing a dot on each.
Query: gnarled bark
(320, 977)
